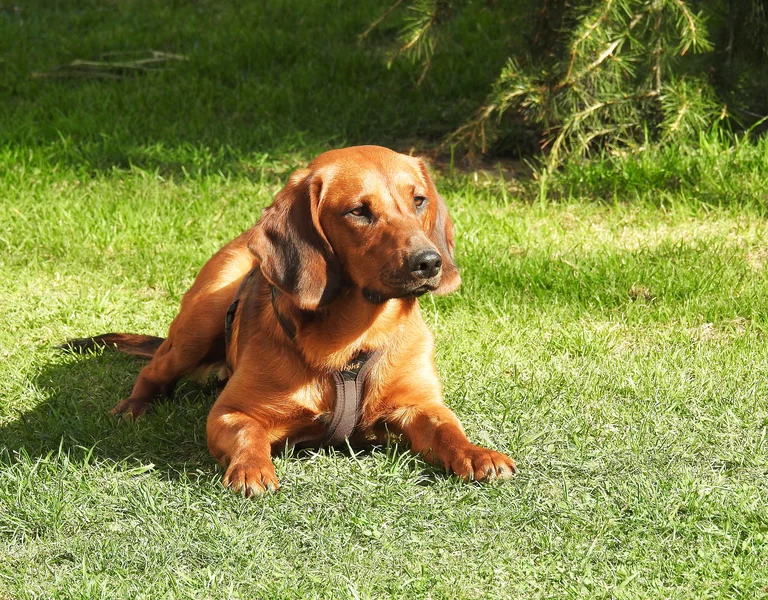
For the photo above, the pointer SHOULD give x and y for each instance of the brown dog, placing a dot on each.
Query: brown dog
(330, 275)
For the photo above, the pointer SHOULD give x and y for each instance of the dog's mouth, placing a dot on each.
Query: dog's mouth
(377, 297)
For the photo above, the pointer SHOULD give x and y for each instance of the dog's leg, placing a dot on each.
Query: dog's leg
(158, 378)
(195, 338)
(434, 432)
(241, 444)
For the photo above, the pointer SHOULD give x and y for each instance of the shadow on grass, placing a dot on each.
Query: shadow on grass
(79, 390)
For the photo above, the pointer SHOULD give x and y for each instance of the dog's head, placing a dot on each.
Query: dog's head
(366, 217)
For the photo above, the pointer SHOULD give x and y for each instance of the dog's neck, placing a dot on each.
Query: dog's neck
(329, 338)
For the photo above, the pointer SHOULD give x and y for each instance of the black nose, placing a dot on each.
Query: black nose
(425, 263)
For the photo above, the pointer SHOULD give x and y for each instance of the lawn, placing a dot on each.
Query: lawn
(610, 334)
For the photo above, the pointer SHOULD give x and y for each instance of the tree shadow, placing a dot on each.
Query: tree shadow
(256, 80)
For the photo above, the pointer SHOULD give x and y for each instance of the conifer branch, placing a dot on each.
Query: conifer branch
(612, 73)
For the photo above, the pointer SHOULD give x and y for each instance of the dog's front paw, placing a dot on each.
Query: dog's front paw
(251, 478)
(474, 463)
(131, 408)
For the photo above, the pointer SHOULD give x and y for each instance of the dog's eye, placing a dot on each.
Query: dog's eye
(362, 213)
(419, 201)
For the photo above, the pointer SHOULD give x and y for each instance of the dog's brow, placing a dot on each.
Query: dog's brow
(375, 185)
(403, 184)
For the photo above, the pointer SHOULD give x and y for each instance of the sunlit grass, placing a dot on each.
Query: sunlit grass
(610, 335)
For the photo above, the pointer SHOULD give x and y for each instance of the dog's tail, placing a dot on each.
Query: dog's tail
(134, 344)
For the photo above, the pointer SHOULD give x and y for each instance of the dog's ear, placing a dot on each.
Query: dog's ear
(441, 236)
(292, 250)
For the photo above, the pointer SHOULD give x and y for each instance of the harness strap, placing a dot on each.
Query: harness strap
(288, 327)
(350, 388)
(231, 310)
(228, 320)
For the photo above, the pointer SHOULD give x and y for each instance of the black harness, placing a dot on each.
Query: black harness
(349, 381)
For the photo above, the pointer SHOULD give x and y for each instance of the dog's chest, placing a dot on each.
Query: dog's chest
(339, 401)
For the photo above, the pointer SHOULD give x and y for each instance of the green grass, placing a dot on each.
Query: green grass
(610, 336)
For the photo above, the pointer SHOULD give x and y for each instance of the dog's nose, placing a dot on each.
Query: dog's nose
(425, 263)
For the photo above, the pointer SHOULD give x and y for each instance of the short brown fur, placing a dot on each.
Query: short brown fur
(347, 283)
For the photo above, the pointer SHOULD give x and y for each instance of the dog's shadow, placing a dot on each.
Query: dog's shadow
(78, 391)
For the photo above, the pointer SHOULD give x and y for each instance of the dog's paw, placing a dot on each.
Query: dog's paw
(481, 464)
(251, 478)
(130, 408)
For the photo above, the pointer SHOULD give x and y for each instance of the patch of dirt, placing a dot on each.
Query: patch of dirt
(757, 258)
(723, 333)
(640, 292)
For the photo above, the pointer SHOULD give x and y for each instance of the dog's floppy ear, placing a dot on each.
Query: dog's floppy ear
(441, 236)
(292, 250)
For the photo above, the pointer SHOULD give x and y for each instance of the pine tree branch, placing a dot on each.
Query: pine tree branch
(378, 21)
(680, 114)
(420, 33)
(691, 23)
(584, 36)
(577, 118)
(607, 53)
(427, 65)
(657, 56)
